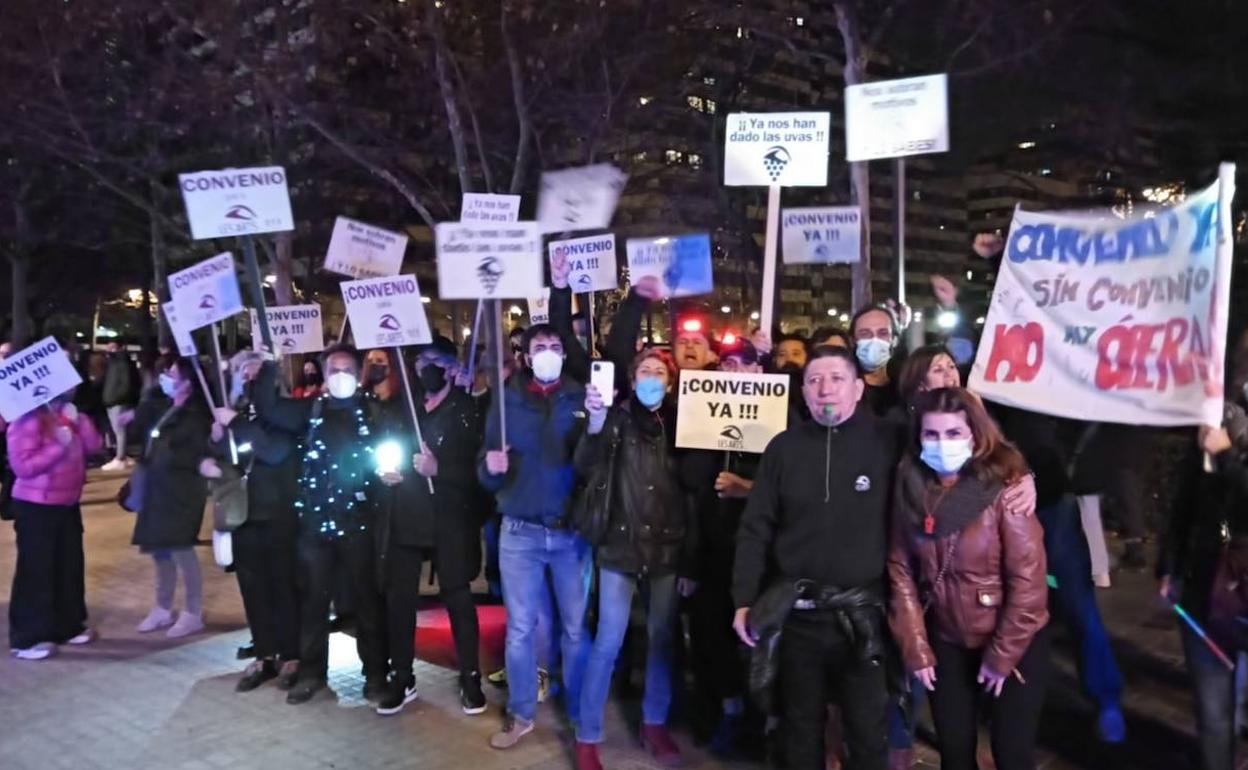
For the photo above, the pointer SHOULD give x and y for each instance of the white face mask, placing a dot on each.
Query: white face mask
(947, 457)
(873, 353)
(168, 385)
(547, 366)
(342, 384)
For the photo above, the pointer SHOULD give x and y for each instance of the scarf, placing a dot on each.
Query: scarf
(953, 508)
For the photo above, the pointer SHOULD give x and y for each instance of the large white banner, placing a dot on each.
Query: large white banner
(895, 118)
(295, 328)
(236, 201)
(489, 261)
(206, 292)
(363, 251)
(822, 235)
(386, 312)
(731, 410)
(1096, 317)
(591, 261)
(789, 149)
(581, 198)
(487, 207)
(32, 377)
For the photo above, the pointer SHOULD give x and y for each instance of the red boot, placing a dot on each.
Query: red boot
(658, 741)
(587, 756)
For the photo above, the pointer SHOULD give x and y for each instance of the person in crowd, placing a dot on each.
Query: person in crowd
(691, 342)
(264, 546)
(311, 381)
(648, 541)
(928, 368)
(533, 478)
(48, 449)
(438, 522)
(831, 335)
(876, 334)
(789, 355)
(979, 620)
(381, 374)
(89, 398)
(118, 397)
(336, 510)
(174, 426)
(515, 343)
(1203, 566)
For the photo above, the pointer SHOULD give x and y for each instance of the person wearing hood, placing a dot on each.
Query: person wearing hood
(876, 334)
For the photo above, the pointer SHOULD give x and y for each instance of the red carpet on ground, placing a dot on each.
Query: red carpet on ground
(436, 645)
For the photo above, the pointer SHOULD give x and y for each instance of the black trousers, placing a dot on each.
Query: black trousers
(402, 594)
(266, 567)
(321, 562)
(716, 657)
(818, 665)
(47, 603)
(1014, 717)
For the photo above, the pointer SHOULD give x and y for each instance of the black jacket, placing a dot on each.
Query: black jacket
(269, 451)
(119, 379)
(717, 518)
(174, 493)
(819, 509)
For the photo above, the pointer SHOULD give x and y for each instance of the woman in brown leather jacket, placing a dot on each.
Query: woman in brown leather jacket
(969, 601)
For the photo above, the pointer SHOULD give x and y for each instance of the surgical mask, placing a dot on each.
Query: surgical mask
(547, 365)
(433, 378)
(873, 353)
(650, 391)
(236, 388)
(168, 385)
(946, 457)
(342, 384)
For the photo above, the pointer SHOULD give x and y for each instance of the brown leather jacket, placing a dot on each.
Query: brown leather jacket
(993, 593)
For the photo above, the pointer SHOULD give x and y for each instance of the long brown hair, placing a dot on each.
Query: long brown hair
(995, 458)
(914, 371)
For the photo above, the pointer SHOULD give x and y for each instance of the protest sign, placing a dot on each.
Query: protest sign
(896, 118)
(539, 307)
(295, 329)
(363, 251)
(181, 335)
(32, 377)
(822, 235)
(487, 207)
(386, 312)
(489, 261)
(731, 410)
(681, 263)
(236, 201)
(789, 149)
(1095, 317)
(206, 292)
(579, 198)
(590, 260)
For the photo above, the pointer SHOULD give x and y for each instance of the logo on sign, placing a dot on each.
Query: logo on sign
(207, 302)
(240, 212)
(289, 343)
(40, 391)
(822, 251)
(862, 484)
(775, 160)
(389, 323)
(731, 437)
(584, 281)
(490, 271)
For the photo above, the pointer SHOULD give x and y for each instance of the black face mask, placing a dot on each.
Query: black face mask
(377, 374)
(312, 379)
(791, 369)
(433, 378)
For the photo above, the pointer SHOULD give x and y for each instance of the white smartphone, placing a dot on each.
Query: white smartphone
(602, 377)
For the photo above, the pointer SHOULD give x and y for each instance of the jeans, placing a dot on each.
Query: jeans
(47, 602)
(901, 728)
(615, 601)
(1214, 687)
(526, 553)
(168, 562)
(119, 429)
(1074, 601)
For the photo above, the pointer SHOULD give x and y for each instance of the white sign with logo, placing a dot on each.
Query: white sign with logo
(789, 149)
(363, 251)
(236, 201)
(295, 328)
(896, 118)
(592, 262)
(821, 235)
(207, 292)
(181, 336)
(682, 263)
(732, 411)
(386, 312)
(539, 307)
(487, 207)
(32, 377)
(489, 261)
(579, 198)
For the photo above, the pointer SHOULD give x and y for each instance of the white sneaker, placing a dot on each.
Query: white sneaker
(38, 652)
(157, 619)
(113, 466)
(87, 636)
(1102, 581)
(188, 623)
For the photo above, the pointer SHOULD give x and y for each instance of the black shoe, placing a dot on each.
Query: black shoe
(287, 675)
(470, 696)
(257, 674)
(375, 688)
(246, 651)
(397, 695)
(304, 691)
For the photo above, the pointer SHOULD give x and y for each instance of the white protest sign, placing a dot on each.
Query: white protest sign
(821, 235)
(487, 207)
(681, 263)
(181, 336)
(591, 260)
(206, 292)
(489, 261)
(789, 149)
(386, 312)
(363, 251)
(730, 410)
(32, 377)
(539, 307)
(895, 118)
(1095, 317)
(295, 328)
(236, 201)
(579, 198)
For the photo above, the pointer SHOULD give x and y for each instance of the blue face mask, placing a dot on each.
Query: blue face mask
(948, 456)
(168, 385)
(873, 353)
(650, 391)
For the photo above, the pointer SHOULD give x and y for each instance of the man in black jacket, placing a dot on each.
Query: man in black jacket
(118, 396)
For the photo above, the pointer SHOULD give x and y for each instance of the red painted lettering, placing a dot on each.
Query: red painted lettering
(1014, 346)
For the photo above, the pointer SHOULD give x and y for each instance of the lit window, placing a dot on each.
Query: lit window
(639, 157)
(800, 21)
(644, 100)
(710, 106)
(1046, 171)
(710, 81)
(695, 160)
(696, 103)
(1026, 145)
(673, 156)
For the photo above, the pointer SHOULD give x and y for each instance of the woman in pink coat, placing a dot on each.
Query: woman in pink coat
(47, 450)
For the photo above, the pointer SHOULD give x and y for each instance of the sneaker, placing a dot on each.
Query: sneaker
(396, 696)
(1102, 581)
(157, 619)
(375, 688)
(514, 728)
(498, 678)
(188, 623)
(40, 651)
(1110, 725)
(256, 674)
(113, 466)
(304, 691)
(471, 699)
(587, 756)
(658, 741)
(288, 674)
(87, 636)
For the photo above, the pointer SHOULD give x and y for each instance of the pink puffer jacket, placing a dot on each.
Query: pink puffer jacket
(49, 472)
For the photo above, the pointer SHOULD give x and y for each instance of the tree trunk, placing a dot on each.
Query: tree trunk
(446, 85)
(20, 274)
(859, 172)
(164, 338)
(146, 331)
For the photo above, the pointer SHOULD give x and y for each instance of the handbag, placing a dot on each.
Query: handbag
(592, 514)
(130, 496)
(229, 499)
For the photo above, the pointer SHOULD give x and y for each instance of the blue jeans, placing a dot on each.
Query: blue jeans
(1074, 600)
(525, 553)
(901, 729)
(615, 600)
(1214, 687)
